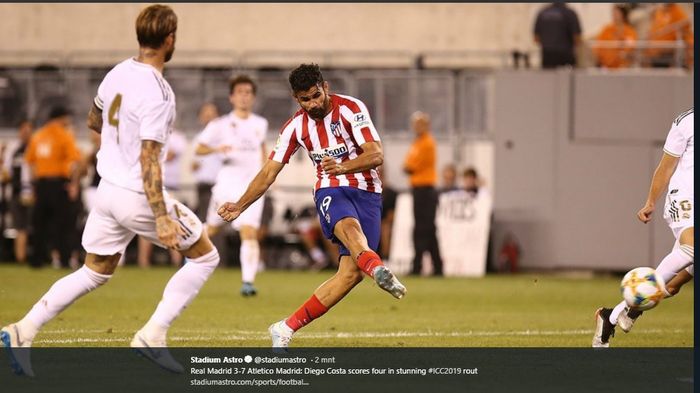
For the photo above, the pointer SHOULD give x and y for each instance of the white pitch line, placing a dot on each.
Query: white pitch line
(250, 335)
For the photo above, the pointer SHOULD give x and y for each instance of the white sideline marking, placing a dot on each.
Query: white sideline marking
(244, 335)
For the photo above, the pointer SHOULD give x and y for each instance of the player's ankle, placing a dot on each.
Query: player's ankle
(369, 260)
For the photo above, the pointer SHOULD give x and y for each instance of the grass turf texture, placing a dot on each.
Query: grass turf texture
(495, 311)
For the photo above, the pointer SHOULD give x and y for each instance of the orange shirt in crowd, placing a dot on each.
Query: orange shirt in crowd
(51, 151)
(620, 56)
(420, 162)
(670, 23)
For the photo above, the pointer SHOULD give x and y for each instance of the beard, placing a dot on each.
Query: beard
(317, 113)
(320, 113)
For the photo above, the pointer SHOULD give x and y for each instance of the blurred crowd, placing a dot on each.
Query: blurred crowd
(641, 35)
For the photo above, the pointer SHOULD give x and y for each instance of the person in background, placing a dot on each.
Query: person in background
(670, 23)
(420, 165)
(449, 178)
(471, 181)
(558, 32)
(16, 171)
(205, 168)
(54, 159)
(621, 32)
(389, 196)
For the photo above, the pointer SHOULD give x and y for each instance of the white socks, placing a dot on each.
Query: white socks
(61, 295)
(179, 292)
(250, 257)
(680, 258)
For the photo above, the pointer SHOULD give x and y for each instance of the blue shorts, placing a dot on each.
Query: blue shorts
(335, 203)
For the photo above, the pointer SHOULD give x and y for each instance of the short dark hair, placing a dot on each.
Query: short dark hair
(624, 10)
(470, 172)
(239, 80)
(305, 77)
(59, 111)
(154, 24)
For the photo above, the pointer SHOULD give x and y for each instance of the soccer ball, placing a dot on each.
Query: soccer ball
(642, 288)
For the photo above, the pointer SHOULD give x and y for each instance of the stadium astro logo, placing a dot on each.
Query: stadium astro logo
(336, 151)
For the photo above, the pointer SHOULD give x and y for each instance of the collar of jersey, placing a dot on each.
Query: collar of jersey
(138, 63)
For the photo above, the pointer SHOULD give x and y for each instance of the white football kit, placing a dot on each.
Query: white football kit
(137, 104)
(240, 164)
(678, 210)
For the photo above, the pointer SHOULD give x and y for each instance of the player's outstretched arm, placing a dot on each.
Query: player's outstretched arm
(152, 175)
(371, 157)
(94, 120)
(659, 182)
(203, 150)
(229, 211)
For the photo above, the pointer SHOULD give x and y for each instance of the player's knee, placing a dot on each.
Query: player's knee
(95, 279)
(687, 237)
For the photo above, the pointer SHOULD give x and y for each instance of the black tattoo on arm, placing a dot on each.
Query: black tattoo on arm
(94, 120)
(152, 176)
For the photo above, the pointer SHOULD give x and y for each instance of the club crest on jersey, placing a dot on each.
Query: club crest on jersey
(335, 128)
(336, 151)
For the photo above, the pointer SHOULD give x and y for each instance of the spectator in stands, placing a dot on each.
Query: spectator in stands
(205, 168)
(389, 196)
(619, 32)
(449, 178)
(420, 165)
(558, 32)
(16, 171)
(471, 181)
(54, 159)
(670, 23)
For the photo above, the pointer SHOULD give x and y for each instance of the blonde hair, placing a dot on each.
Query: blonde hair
(154, 24)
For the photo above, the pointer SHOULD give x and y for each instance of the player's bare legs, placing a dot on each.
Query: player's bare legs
(351, 267)
(250, 258)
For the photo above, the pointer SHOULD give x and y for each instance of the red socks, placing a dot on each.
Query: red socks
(309, 311)
(368, 260)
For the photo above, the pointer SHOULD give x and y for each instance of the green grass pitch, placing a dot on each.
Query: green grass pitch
(526, 310)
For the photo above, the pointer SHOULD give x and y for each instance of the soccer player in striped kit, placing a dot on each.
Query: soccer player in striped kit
(343, 144)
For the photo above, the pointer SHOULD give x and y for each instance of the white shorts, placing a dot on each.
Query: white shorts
(252, 216)
(119, 214)
(679, 213)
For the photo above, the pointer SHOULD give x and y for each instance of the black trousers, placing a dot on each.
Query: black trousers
(203, 199)
(51, 221)
(425, 200)
(552, 58)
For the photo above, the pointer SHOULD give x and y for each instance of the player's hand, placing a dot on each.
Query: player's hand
(644, 214)
(229, 211)
(331, 167)
(168, 231)
(224, 149)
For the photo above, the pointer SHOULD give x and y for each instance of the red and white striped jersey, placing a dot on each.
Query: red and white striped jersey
(340, 134)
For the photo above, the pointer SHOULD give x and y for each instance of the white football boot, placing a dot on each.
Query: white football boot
(18, 350)
(281, 335)
(157, 352)
(388, 282)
